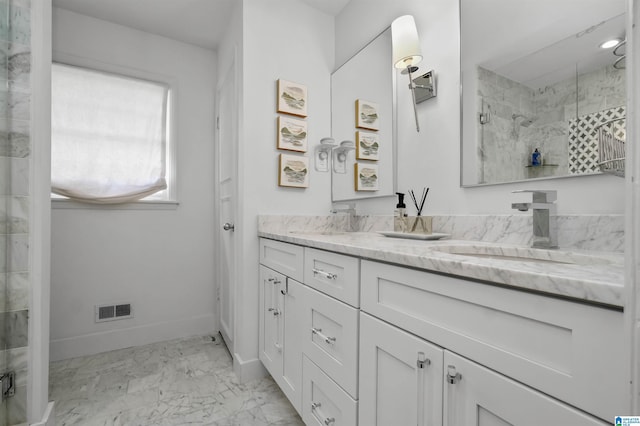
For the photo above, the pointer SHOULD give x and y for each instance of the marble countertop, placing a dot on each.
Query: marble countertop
(599, 279)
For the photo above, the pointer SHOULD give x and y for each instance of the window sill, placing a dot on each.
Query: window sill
(60, 203)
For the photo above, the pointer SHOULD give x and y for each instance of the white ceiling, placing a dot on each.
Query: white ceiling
(198, 22)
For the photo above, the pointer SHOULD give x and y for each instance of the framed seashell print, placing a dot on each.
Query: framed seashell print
(292, 134)
(292, 98)
(294, 171)
(366, 115)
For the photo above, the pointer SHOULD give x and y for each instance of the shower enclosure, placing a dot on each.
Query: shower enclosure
(15, 164)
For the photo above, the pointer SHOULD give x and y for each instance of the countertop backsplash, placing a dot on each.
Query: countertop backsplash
(584, 232)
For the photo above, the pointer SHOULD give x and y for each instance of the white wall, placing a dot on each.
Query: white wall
(289, 40)
(159, 260)
(432, 157)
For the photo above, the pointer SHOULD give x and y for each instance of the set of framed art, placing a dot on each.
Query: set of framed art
(292, 134)
(366, 173)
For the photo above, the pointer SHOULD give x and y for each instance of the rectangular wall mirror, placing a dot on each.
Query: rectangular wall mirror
(540, 97)
(363, 99)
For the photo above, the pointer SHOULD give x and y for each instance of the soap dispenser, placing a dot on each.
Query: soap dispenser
(399, 222)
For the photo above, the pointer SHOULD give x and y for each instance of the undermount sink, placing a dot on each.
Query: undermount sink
(525, 254)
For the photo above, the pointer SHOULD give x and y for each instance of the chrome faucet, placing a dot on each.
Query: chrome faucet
(349, 209)
(544, 217)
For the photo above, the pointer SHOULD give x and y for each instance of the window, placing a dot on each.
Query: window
(109, 136)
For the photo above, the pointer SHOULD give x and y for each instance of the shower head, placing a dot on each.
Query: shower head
(526, 121)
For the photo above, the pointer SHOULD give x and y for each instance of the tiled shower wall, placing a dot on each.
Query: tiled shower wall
(15, 153)
(505, 146)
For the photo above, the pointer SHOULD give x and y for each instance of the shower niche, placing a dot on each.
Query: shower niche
(541, 102)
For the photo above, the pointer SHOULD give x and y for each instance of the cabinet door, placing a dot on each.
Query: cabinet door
(479, 396)
(294, 300)
(271, 322)
(400, 377)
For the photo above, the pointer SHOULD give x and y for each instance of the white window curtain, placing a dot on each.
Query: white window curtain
(108, 136)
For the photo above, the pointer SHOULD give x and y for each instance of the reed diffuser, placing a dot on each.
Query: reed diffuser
(419, 224)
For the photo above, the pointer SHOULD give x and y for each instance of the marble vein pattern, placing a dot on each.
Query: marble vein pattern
(573, 276)
(180, 382)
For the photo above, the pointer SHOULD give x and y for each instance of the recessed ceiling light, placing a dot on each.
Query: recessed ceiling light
(610, 43)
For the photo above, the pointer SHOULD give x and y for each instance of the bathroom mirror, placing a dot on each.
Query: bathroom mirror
(363, 100)
(534, 77)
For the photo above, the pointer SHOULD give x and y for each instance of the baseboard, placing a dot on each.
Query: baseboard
(90, 344)
(247, 371)
(49, 417)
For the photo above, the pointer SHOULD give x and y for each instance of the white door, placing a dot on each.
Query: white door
(400, 377)
(226, 200)
(476, 395)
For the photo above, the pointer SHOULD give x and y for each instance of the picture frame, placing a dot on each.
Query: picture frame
(366, 177)
(367, 146)
(367, 115)
(292, 134)
(292, 98)
(293, 171)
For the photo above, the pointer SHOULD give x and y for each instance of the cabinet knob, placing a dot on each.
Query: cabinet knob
(229, 227)
(453, 376)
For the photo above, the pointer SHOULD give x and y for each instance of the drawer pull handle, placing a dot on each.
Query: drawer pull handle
(275, 281)
(453, 376)
(327, 420)
(275, 311)
(327, 275)
(327, 339)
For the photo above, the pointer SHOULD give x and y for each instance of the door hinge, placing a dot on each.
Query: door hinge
(7, 381)
(218, 122)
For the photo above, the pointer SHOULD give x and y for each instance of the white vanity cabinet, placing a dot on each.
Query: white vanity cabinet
(556, 347)
(281, 305)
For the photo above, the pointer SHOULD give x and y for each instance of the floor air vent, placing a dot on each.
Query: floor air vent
(113, 312)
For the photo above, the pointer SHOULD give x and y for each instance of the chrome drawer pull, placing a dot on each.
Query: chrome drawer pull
(327, 420)
(327, 275)
(327, 339)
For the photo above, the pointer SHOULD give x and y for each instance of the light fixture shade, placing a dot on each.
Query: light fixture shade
(406, 44)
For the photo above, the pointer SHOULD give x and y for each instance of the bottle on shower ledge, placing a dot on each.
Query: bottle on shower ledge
(536, 158)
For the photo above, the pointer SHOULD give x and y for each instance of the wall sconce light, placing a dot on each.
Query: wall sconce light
(323, 154)
(406, 52)
(340, 154)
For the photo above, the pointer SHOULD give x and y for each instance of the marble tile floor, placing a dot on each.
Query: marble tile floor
(179, 382)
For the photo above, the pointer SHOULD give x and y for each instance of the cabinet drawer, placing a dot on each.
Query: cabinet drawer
(334, 274)
(282, 257)
(323, 401)
(331, 339)
(562, 348)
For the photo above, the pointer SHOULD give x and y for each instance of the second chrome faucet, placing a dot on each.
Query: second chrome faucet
(543, 205)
